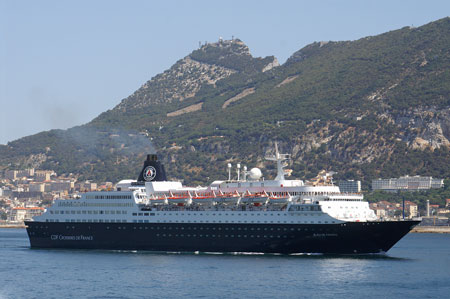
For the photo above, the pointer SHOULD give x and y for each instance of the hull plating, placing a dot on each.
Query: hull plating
(347, 238)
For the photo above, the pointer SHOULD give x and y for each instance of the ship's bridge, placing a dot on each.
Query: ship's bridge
(321, 189)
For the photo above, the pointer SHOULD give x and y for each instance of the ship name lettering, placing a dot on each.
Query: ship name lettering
(325, 235)
(72, 238)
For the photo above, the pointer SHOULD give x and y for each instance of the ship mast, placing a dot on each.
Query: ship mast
(279, 158)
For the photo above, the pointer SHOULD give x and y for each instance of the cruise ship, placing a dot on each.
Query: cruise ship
(242, 214)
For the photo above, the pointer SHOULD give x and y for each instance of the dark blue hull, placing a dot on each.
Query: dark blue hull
(347, 238)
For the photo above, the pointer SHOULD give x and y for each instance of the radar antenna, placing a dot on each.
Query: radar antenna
(279, 158)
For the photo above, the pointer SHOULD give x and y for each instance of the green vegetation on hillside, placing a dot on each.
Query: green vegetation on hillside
(367, 109)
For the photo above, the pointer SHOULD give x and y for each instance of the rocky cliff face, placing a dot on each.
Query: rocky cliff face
(180, 82)
(207, 65)
(425, 128)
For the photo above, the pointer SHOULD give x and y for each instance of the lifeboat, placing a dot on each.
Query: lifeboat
(227, 198)
(179, 199)
(203, 199)
(280, 199)
(255, 198)
(157, 200)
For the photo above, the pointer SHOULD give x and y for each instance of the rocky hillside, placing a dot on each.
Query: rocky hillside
(375, 107)
(203, 67)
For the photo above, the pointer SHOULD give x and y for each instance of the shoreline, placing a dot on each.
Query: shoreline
(431, 229)
(15, 225)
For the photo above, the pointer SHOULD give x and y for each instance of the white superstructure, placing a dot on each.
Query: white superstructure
(247, 200)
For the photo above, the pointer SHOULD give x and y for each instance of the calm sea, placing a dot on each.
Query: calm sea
(417, 267)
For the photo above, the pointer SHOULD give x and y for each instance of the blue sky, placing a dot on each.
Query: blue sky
(64, 62)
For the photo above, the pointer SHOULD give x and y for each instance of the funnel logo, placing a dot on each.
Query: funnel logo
(149, 173)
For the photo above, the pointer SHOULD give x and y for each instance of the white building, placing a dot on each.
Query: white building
(25, 173)
(37, 187)
(62, 185)
(409, 183)
(350, 186)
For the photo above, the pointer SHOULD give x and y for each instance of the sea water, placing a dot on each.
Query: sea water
(416, 267)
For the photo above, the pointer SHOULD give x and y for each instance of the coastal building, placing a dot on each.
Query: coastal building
(36, 187)
(350, 186)
(20, 214)
(43, 175)
(6, 190)
(434, 209)
(25, 173)
(385, 209)
(379, 211)
(62, 185)
(443, 212)
(11, 174)
(86, 186)
(26, 194)
(47, 198)
(38, 175)
(407, 183)
(411, 209)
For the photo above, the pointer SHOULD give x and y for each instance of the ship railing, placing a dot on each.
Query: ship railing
(349, 193)
(248, 207)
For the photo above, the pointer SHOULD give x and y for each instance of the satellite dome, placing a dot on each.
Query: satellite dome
(255, 173)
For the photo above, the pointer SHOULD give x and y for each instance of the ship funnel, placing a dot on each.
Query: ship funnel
(153, 170)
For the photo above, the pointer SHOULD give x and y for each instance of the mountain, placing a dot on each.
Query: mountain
(375, 107)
